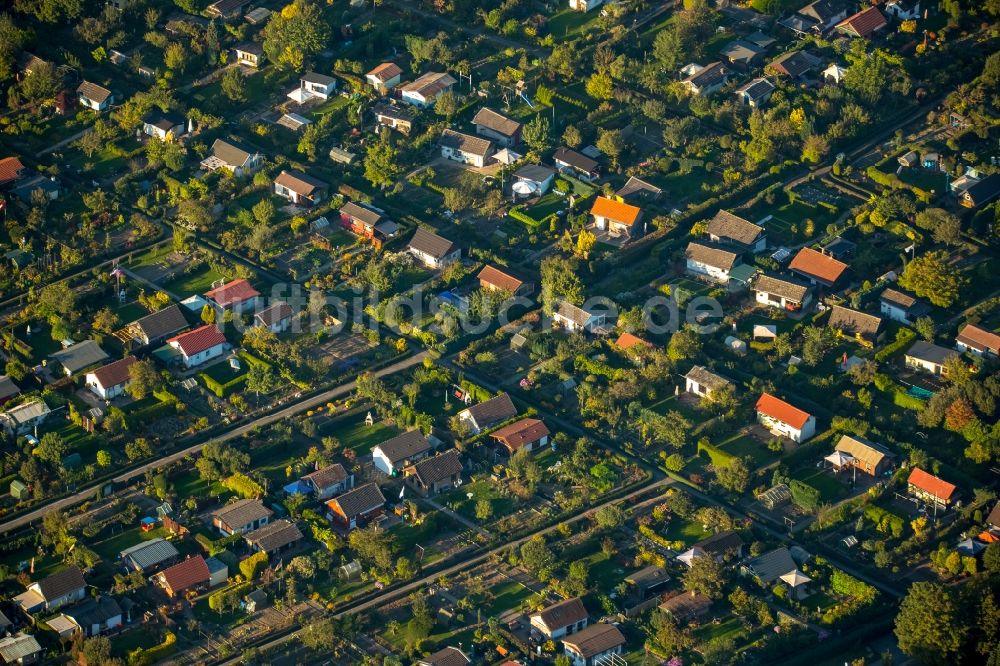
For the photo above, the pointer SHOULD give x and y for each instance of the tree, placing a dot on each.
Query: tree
(175, 56)
(97, 650)
(373, 547)
(684, 344)
(523, 468)
(296, 33)
(260, 379)
(446, 105)
(137, 449)
(420, 624)
(536, 132)
(665, 632)
(931, 277)
(870, 75)
(381, 167)
(609, 517)
(572, 137)
(926, 328)
(234, 84)
(735, 476)
(104, 458)
(559, 281)
(456, 199)
(52, 448)
(704, 576)
(50, 11)
(251, 566)
(484, 510)
(585, 242)
(814, 148)
(12, 39)
(43, 82)
(600, 86)
(576, 583)
(929, 625)
(16, 369)
(611, 143)
(105, 320)
(537, 558)
(143, 379)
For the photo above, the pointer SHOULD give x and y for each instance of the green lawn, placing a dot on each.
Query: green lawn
(688, 531)
(132, 639)
(830, 489)
(672, 403)
(568, 22)
(742, 446)
(730, 628)
(547, 205)
(480, 490)
(196, 282)
(109, 548)
(359, 437)
(506, 597)
(129, 312)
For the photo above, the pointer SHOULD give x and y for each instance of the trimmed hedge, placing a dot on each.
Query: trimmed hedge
(147, 656)
(222, 390)
(904, 338)
(718, 457)
(885, 521)
(804, 495)
(903, 399)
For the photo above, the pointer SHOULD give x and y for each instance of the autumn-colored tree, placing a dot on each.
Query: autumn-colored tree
(958, 414)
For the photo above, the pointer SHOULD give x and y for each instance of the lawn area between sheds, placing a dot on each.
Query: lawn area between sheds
(459, 500)
(109, 548)
(359, 437)
(830, 489)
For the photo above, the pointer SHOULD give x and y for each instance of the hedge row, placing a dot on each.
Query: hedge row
(223, 390)
(579, 103)
(144, 657)
(518, 214)
(904, 338)
(803, 494)
(719, 457)
(243, 485)
(903, 399)
(884, 521)
(151, 413)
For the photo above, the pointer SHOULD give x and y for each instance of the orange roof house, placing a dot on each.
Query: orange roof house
(494, 279)
(863, 24)
(526, 433)
(785, 419)
(978, 340)
(627, 341)
(817, 267)
(238, 294)
(616, 217)
(930, 488)
(182, 576)
(10, 170)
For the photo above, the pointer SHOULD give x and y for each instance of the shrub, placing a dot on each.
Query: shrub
(901, 398)
(804, 495)
(904, 337)
(146, 656)
(243, 485)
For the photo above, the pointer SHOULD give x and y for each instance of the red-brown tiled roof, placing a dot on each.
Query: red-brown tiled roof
(929, 483)
(115, 373)
(863, 24)
(628, 341)
(192, 571)
(520, 433)
(497, 278)
(199, 339)
(979, 338)
(385, 71)
(274, 314)
(231, 292)
(10, 169)
(778, 409)
(615, 210)
(816, 264)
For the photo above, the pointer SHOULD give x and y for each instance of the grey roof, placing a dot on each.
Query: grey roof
(575, 160)
(773, 565)
(93, 92)
(293, 121)
(360, 500)
(595, 639)
(242, 512)
(493, 410)
(148, 554)
(760, 39)
(779, 286)
(757, 89)
(320, 79)
(7, 387)
(275, 535)
(164, 122)
(534, 172)
(392, 111)
(430, 84)
(15, 648)
(61, 583)
(26, 411)
(637, 186)
(854, 322)
(251, 47)
(162, 323)
(492, 120)
(709, 75)
(705, 377)
(574, 313)
(721, 543)
(438, 468)
(406, 445)
(327, 476)
(684, 606)
(428, 242)
(731, 227)
(230, 153)
(824, 10)
(466, 143)
(93, 611)
(930, 352)
(79, 356)
(716, 257)
(741, 51)
(448, 656)
(358, 212)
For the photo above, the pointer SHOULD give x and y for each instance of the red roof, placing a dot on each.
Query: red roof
(385, 71)
(232, 292)
(628, 341)
(115, 373)
(979, 338)
(497, 278)
(816, 264)
(864, 23)
(929, 483)
(778, 409)
(10, 169)
(615, 210)
(198, 340)
(192, 571)
(523, 432)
